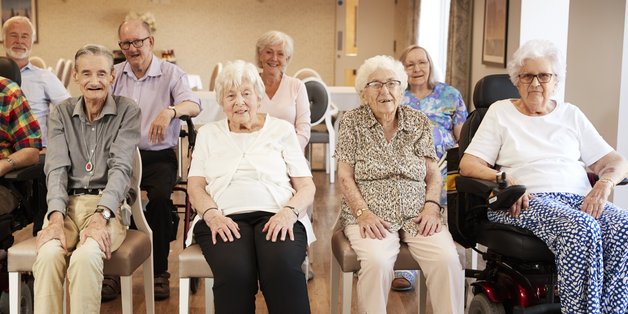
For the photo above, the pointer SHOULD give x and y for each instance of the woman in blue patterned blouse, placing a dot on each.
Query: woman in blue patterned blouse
(445, 108)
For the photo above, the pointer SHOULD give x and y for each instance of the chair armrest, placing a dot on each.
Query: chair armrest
(474, 186)
(27, 173)
(623, 182)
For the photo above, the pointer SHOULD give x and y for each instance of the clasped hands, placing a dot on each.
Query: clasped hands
(279, 226)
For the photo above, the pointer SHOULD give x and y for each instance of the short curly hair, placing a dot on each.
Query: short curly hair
(536, 49)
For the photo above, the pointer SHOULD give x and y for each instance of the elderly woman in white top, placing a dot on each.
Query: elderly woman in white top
(250, 184)
(285, 97)
(548, 145)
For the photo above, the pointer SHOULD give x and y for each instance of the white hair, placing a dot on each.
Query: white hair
(16, 19)
(536, 49)
(380, 63)
(234, 74)
(272, 38)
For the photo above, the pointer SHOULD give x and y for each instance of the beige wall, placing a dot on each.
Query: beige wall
(201, 32)
(594, 62)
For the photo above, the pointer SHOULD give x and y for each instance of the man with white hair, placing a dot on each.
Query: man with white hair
(40, 86)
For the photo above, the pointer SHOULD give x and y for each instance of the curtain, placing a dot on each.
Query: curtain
(459, 48)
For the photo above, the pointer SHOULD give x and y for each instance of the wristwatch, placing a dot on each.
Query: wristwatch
(360, 211)
(106, 212)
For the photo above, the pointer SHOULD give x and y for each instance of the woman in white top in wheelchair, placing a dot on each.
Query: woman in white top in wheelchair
(548, 145)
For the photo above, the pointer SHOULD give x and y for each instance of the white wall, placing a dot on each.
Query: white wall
(621, 193)
(542, 19)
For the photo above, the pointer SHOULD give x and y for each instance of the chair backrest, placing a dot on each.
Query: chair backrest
(319, 98)
(212, 80)
(10, 70)
(58, 70)
(136, 203)
(465, 211)
(38, 62)
(488, 90)
(67, 72)
(305, 73)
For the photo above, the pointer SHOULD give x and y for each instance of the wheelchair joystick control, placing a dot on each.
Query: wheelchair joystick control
(503, 196)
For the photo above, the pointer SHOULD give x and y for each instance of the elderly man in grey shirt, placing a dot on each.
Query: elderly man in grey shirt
(89, 164)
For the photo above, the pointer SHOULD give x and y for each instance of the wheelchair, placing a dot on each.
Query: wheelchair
(520, 274)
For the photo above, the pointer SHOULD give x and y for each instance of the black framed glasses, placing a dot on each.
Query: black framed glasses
(527, 78)
(377, 85)
(138, 43)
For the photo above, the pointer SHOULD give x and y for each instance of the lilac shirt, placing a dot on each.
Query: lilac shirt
(291, 103)
(163, 85)
(41, 88)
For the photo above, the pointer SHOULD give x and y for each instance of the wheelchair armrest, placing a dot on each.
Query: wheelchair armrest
(27, 173)
(623, 182)
(474, 186)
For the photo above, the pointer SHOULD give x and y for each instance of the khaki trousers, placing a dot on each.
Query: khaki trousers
(436, 255)
(85, 270)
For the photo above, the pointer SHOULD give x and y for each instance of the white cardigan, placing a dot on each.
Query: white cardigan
(275, 154)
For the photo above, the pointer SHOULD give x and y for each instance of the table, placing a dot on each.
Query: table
(211, 110)
(195, 81)
(344, 97)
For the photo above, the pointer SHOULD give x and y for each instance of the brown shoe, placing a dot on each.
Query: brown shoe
(162, 286)
(110, 288)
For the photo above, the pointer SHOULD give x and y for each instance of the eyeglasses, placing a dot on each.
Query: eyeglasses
(138, 43)
(527, 78)
(377, 85)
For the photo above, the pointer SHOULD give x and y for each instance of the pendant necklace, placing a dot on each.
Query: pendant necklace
(89, 166)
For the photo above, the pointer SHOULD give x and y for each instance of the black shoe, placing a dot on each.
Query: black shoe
(162, 286)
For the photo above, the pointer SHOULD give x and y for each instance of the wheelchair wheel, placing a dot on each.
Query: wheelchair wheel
(194, 282)
(480, 304)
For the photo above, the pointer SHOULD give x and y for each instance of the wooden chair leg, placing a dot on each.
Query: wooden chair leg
(15, 281)
(347, 292)
(209, 296)
(126, 292)
(184, 295)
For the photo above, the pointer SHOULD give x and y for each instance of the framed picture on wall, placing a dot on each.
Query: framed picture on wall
(27, 8)
(495, 31)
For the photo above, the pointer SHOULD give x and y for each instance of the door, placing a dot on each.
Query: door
(364, 28)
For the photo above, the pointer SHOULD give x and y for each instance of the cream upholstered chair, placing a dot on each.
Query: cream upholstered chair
(212, 80)
(305, 73)
(58, 70)
(192, 264)
(38, 62)
(136, 250)
(344, 263)
(67, 72)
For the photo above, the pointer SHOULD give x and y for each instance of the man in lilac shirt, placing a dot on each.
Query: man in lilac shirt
(162, 91)
(40, 86)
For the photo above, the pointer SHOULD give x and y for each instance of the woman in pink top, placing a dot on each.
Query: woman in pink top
(286, 97)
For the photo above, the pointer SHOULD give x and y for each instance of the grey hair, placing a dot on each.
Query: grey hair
(380, 63)
(272, 38)
(536, 49)
(93, 50)
(234, 74)
(15, 19)
(431, 79)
